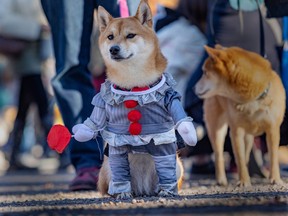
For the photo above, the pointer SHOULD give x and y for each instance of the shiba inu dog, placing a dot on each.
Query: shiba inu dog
(136, 111)
(242, 92)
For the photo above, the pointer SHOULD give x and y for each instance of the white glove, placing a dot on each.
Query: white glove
(188, 133)
(83, 133)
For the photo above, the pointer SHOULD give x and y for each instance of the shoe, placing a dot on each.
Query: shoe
(86, 179)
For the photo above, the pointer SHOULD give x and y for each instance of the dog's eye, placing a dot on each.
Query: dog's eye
(129, 36)
(110, 37)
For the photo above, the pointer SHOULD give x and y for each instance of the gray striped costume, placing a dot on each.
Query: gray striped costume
(161, 111)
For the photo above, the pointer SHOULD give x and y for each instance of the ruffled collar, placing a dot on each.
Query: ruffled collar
(114, 96)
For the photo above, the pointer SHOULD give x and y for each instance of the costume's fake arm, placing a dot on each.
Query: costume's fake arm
(183, 123)
(96, 122)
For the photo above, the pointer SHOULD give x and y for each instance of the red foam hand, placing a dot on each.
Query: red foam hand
(58, 138)
(135, 128)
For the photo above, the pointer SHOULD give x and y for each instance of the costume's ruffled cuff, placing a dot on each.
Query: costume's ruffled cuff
(187, 119)
(112, 97)
(122, 139)
(119, 187)
(89, 123)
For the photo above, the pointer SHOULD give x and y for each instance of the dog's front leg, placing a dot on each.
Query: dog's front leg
(217, 130)
(218, 139)
(237, 136)
(273, 140)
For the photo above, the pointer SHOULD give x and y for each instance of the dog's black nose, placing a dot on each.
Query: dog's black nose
(114, 50)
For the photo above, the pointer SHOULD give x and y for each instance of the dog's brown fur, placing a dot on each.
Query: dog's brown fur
(242, 92)
(141, 64)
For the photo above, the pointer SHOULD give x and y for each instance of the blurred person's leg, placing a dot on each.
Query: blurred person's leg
(13, 145)
(40, 98)
(45, 112)
(71, 24)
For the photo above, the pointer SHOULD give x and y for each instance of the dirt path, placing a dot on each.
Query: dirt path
(35, 194)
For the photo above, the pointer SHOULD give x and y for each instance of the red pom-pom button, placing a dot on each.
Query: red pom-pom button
(135, 128)
(130, 104)
(134, 115)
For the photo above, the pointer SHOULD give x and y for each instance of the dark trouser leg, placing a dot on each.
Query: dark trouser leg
(73, 88)
(39, 96)
(15, 138)
(14, 142)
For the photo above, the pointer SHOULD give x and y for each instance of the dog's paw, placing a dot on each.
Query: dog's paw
(123, 196)
(165, 193)
(276, 181)
(244, 183)
(222, 182)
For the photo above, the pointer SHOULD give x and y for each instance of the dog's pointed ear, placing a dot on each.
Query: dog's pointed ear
(144, 14)
(219, 47)
(215, 54)
(103, 18)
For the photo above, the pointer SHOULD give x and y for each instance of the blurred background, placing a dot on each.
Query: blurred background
(27, 104)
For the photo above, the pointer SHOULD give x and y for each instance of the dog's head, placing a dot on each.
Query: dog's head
(129, 47)
(235, 73)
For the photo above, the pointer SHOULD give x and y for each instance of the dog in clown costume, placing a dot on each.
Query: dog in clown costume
(136, 111)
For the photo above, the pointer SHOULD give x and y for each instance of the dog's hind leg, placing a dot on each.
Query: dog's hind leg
(104, 177)
(254, 160)
(217, 129)
(144, 179)
(273, 140)
(179, 172)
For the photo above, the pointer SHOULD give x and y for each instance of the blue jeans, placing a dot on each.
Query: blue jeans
(71, 26)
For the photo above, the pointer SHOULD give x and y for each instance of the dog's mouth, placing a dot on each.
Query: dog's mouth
(120, 58)
(202, 94)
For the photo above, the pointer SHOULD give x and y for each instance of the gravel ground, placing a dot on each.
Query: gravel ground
(39, 194)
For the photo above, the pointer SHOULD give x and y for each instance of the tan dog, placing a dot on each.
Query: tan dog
(131, 53)
(241, 92)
